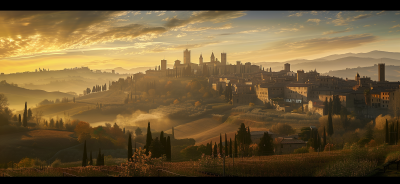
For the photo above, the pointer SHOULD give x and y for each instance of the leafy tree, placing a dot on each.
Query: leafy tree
(29, 114)
(282, 128)
(15, 117)
(52, 124)
(305, 133)
(138, 131)
(61, 124)
(265, 145)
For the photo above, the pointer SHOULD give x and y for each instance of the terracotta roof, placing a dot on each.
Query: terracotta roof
(291, 141)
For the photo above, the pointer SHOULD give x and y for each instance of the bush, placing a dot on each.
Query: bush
(144, 165)
(56, 163)
(348, 168)
(393, 156)
(303, 149)
(25, 162)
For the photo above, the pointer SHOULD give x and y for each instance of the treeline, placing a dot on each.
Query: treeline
(63, 100)
(240, 146)
(96, 88)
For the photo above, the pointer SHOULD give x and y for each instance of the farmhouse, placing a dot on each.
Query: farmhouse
(287, 145)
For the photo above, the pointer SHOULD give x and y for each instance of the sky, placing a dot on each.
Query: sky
(102, 40)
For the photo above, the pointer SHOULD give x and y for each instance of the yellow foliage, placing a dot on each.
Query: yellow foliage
(251, 104)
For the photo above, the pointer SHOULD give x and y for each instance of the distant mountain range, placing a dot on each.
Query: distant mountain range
(121, 70)
(338, 62)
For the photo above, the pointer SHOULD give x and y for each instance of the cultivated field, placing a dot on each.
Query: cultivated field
(42, 144)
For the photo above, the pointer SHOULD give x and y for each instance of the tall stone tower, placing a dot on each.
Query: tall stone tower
(212, 60)
(163, 65)
(186, 56)
(287, 67)
(300, 75)
(223, 58)
(201, 60)
(381, 72)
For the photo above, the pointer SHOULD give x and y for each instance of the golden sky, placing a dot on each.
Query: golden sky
(108, 39)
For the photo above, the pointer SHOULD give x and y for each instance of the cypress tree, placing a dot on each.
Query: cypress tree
(149, 139)
(130, 154)
(326, 106)
(19, 119)
(102, 159)
(91, 160)
(330, 125)
(230, 147)
(215, 149)
(220, 143)
(324, 137)
(236, 150)
(211, 149)
(84, 159)
(163, 142)
(265, 145)
(386, 132)
(168, 148)
(98, 160)
(226, 147)
(25, 118)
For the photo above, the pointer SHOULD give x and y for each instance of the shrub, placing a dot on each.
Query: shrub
(56, 163)
(393, 156)
(348, 168)
(303, 149)
(143, 164)
(25, 162)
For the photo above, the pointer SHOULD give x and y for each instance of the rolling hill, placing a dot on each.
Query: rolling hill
(17, 96)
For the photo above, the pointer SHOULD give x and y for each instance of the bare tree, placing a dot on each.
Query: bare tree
(38, 116)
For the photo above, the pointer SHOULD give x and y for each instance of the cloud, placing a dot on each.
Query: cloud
(299, 14)
(254, 31)
(398, 25)
(167, 47)
(397, 13)
(367, 25)
(204, 16)
(30, 33)
(286, 29)
(340, 21)
(314, 12)
(314, 20)
(181, 35)
(380, 12)
(334, 32)
(136, 13)
(190, 28)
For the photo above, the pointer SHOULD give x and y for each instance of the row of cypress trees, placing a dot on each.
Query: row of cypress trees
(391, 133)
(86, 161)
(157, 147)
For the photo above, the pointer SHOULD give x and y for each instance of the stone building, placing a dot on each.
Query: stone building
(287, 145)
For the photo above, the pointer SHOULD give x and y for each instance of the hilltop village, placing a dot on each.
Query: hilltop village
(287, 90)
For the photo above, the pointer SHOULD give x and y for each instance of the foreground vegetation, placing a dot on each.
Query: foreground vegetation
(350, 162)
